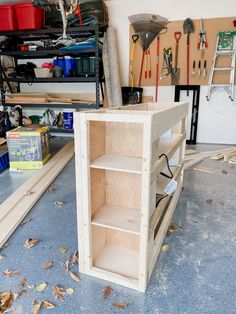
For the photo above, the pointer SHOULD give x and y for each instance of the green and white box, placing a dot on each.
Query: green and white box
(28, 147)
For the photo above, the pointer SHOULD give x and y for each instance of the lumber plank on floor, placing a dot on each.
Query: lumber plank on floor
(15, 208)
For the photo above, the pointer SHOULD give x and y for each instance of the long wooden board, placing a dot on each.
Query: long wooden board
(15, 208)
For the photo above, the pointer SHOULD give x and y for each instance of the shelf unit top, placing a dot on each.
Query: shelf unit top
(89, 79)
(127, 113)
(48, 32)
(47, 53)
(91, 105)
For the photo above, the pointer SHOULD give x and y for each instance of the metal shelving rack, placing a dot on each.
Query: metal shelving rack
(54, 33)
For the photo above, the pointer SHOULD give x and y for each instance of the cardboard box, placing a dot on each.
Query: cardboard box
(28, 147)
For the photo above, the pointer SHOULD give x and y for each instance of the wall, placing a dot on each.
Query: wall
(217, 117)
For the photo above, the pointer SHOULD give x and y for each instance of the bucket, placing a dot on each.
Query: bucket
(68, 118)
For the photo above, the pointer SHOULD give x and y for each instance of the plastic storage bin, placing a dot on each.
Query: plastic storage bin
(68, 116)
(7, 18)
(4, 160)
(28, 16)
(67, 63)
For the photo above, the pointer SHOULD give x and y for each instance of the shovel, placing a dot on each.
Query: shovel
(188, 28)
(176, 71)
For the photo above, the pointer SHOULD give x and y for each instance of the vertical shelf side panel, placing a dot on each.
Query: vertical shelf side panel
(145, 202)
(124, 138)
(79, 199)
(86, 189)
(123, 189)
(97, 139)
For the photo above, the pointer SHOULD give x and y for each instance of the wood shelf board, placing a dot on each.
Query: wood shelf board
(118, 163)
(166, 143)
(118, 218)
(118, 260)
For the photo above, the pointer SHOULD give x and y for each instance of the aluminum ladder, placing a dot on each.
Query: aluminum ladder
(225, 46)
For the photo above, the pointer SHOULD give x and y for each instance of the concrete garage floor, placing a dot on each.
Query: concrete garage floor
(197, 275)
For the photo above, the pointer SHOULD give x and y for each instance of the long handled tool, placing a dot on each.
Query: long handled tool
(148, 27)
(157, 66)
(176, 71)
(131, 73)
(188, 28)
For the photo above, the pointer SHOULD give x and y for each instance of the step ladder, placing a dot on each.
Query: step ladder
(225, 46)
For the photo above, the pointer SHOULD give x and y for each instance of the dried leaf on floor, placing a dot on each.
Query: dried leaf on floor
(36, 306)
(74, 276)
(76, 258)
(30, 286)
(172, 227)
(106, 292)
(22, 282)
(58, 293)
(69, 291)
(48, 265)
(29, 243)
(52, 187)
(48, 305)
(26, 221)
(11, 273)
(165, 248)
(19, 293)
(59, 202)
(73, 259)
(120, 305)
(41, 287)
(6, 299)
(63, 249)
(2, 257)
(209, 201)
(4, 246)
(224, 172)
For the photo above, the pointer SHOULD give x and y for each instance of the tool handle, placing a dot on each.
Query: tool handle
(146, 64)
(187, 68)
(141, 69)
(135, 38)
(177, 36)
(157, 67)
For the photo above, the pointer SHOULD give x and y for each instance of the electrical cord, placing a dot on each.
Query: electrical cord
(168, 166)
(158, 201)
(165, 175)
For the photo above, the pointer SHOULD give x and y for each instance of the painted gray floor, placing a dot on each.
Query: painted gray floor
(198, 275)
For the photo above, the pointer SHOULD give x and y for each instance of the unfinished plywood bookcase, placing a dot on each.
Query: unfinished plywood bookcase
(118, 164)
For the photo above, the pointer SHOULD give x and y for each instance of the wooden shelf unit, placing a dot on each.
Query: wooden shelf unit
(119, 158)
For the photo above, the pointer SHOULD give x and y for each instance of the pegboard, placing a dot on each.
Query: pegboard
(212, 27)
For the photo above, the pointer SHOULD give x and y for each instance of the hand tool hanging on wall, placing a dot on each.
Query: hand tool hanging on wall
(148, 27)
(176, 71)
(205, 69)
(202, 42)
(194, 66)
(167, 63)
(131, 73)
(188, 28)
(148, 64)
(199, 69)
